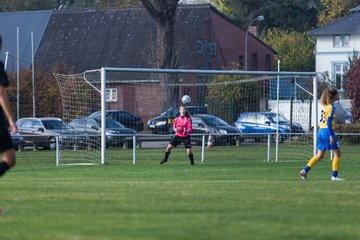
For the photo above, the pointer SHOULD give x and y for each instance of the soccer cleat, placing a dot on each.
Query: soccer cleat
(192, 162)
(163, 161)
(303, 174)
(336, 179)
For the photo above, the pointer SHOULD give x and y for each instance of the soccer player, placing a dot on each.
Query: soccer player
(326, 137)
(182, 127)
(6, 144)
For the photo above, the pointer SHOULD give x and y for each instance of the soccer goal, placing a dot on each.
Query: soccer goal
(146, 93)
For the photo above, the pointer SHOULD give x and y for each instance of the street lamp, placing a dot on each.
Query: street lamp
(258, 18)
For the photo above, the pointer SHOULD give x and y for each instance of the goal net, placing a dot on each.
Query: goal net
(81, 96)
(249, 102)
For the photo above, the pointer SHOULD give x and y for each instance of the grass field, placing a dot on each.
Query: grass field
(224, 198)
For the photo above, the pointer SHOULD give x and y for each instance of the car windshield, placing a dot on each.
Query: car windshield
(55, 124)
(273, 117)
(110, 123)
(171, 112)
(213, 121)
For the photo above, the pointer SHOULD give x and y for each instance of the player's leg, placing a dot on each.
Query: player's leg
(173, 143)
(167, 153)
(319, 155)
(190, 155)
(7, 151)
(323, 144)
(8, 160)
(189, 152)
(335, 165)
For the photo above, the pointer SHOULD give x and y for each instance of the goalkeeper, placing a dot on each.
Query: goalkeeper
(6, 144)
(182, 127)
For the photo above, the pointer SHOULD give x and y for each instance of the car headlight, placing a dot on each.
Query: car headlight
(214, 131)
(223, 131)
(161, 123)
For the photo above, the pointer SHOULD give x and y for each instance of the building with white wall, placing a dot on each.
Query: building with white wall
(336, 42)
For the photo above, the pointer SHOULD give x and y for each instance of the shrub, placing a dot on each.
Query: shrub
(348, 133)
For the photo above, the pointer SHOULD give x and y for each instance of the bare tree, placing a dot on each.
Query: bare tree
(163, 12)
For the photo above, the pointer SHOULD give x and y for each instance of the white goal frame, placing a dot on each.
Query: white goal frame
(105, 70)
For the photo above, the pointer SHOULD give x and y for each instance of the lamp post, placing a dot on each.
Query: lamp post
(258, 18)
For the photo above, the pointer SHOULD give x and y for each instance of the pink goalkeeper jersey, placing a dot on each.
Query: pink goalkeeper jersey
(184, 125)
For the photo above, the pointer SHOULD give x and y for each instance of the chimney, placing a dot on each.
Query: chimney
(253, 30)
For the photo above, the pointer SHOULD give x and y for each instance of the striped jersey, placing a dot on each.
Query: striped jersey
(327, 117)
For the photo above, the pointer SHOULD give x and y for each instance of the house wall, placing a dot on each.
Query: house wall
(140, 100)
(232, 43)
(326, 54)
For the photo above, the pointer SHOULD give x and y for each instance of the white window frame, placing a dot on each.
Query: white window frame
(340, 72)
(111, 95)
(341, 40)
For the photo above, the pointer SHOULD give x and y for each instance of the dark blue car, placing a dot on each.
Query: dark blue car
(259, 123)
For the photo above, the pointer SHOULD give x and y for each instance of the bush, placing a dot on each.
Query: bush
(345, 132)
(352, 86)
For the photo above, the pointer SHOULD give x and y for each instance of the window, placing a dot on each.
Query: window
(267, 62)
(346, 40)
(339, 70)
(250, 118)
(111, 95)
(212, 49)
(341, 40)
(261, 119)
(254, 62)
(241, 62)
(199, 46)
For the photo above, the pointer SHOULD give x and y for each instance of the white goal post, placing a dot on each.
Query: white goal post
(264, 89)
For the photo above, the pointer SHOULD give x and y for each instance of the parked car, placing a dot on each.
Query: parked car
(127, 119)
(160, 123)
(114, 130)
(42, 132)
(347, 112)
(222, 133)
(265, 122)
(18, 141)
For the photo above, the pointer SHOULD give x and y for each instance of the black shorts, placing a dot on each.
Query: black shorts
(178, 140)
(5, 140)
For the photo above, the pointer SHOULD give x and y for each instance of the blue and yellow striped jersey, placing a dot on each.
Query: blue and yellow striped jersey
(327, 117)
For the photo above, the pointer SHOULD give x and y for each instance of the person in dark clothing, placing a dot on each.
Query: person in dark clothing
(6, 123)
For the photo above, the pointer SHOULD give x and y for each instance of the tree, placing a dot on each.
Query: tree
(229, 95)
(295, 15)
(47, 96)
(352, 87)
(26, 5)
(333, 9)
(163, 12)
(294, 49)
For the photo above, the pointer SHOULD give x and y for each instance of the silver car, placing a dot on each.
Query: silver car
(42, 132)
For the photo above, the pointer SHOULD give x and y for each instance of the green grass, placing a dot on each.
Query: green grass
(225, 198)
